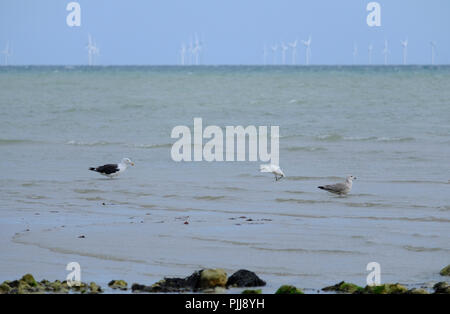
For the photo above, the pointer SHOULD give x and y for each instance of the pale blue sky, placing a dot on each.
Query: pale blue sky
(234, 31)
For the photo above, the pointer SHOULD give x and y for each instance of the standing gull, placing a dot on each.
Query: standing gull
(340, 188)
(276, 170)
(112, 170)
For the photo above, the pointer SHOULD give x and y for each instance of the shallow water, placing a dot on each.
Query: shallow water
(388, 126)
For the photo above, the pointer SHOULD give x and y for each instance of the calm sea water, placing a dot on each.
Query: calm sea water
(388, 126)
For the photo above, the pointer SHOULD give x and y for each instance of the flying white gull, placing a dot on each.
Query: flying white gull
(340, 188)
(112, 170)
(276, 170)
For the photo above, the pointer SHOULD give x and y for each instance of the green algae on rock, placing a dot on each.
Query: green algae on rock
(118, 284)
(211, 278)
(445, 271)
(441, 288)
(287, 289)
(385, 289)
(344, 287)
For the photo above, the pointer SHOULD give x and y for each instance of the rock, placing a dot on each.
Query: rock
(199, 280)
(245, 278)
(445, 271)
(250, 291)
(29, 279)
(191, 283)
(5, 288)
(211, 278)
(286, 289)
(94, 288)
(441, 288)
(385, 289)
(118, 284)
(344, 287)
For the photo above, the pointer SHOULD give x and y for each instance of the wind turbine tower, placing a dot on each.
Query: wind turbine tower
(284, 48)
(355, 52)
(433, 52)
(92, 49)
(404, 44)
(183, 54)
(385, 52)
(307, 44)
(370, 54)
(265, 54)
(7, 52)
(274, 53)
(293, 46)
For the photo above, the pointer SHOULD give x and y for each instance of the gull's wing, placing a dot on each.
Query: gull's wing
(338, 188)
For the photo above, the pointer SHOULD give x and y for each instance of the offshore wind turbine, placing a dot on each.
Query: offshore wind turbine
(183, 51)
(370, 53)
(274, 53)
(307, 44)
(404, 44)
(7, 52)
(293, 46)
(355, 52)
(433, 52)
(284, 48)
(191, 51)
(265, 54)
(385, 52)
(92, 49)
(198, 46)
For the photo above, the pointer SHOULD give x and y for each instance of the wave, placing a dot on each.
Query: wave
(422, 249)
(305, 149)
(106, 143)
(15, 141)
(337, 137)
(149, 146)
(209, 198)
(299, 201)
(95, 143)
(301, 178)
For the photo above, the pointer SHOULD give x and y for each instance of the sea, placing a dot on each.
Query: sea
(389, 126)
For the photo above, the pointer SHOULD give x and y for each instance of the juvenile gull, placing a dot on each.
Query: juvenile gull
(340, 188)
(276, 170)
(112, 170)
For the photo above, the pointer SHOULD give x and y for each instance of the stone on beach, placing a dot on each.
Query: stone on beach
(287, 289)
(445, 271)
(118, 284)
(245, 278)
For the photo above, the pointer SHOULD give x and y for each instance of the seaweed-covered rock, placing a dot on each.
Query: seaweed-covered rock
(118, 284)
(287, 289)
(250, 291)
(29, 279)
(445, 271)
(190, 283)
(385, 289)
(94, 288)
(5, 288)
(211, 278)
(245, 278)
(344, 287)
(441, 288)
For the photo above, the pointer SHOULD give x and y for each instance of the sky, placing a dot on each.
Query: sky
(141, 32)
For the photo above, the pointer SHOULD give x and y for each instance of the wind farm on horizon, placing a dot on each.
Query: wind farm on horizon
(283, 53)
